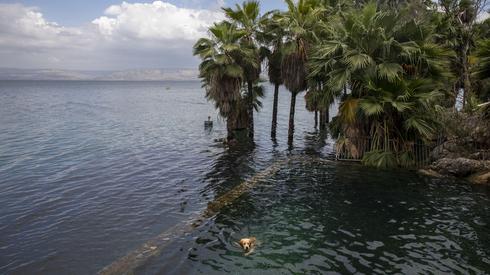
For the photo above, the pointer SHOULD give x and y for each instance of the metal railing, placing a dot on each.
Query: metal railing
(354, 149)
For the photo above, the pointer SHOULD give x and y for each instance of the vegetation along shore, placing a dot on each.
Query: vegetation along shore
(411, 79)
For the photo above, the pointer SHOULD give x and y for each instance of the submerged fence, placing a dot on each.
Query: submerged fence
(354, 149)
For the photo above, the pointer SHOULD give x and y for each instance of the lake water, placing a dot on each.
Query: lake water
(90, 171)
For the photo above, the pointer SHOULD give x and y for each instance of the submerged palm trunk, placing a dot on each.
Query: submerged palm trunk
(322, 121)
(274, 111)
(316, 119)
(327, 117)
(291, 118)
(250, 110)
(229, 128)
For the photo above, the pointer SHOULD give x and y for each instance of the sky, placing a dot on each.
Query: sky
(98, 35)
(106, 34)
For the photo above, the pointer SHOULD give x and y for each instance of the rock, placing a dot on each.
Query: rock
(480, 155)
(430, 173)
(450, 149)
(480, 178)
(466, 135)
(460, 167)
(466, 150)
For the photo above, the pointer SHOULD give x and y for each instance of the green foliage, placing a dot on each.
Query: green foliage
(395, 73)
(482, 70)
(388, 65)
(219, 70)
(380, 159)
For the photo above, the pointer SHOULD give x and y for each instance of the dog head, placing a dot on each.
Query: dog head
(247, 243)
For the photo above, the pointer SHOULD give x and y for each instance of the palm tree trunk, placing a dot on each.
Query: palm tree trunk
(327, 116)
(274, 111)
(291, 119)
(229, 128)
(466, 74)
(316, 118)
(322, 121)
(250, 110)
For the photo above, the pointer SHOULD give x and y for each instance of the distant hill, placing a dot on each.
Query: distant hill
(152, 74)
(124, 75)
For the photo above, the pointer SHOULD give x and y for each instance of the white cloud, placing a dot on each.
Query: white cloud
(158, 20)
(25, 27)
(157, 34)
(484, 15)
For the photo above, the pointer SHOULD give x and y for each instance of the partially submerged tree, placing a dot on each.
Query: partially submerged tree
(272, 37)
(247, 17)
(222, 75)
(298, 23)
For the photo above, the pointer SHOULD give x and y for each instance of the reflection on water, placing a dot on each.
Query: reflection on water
(313, 217)
(90, 171)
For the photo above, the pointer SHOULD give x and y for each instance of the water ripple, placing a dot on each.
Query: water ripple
(91, 170)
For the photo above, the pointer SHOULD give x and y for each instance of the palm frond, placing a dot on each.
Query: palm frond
(389, 71)
(358, 61)
(371, 107)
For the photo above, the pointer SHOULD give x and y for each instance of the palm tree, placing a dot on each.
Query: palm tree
(298, 23)
(319, 94)
(311, 100)
(482, 70)
(272, 36)
(460, 17)
(395, 73)
(221, 73)
(246, 17)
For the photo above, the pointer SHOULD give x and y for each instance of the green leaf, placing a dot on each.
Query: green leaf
(371, 107)
(359, 61)
(401, 106)
(233, 70)
(380, 159)
(389, 71)
(419, 125)
(328, 49)
(338, 79)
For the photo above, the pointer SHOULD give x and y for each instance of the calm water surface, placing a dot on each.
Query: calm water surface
(89, 171)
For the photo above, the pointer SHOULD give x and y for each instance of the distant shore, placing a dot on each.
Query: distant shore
(170, 74)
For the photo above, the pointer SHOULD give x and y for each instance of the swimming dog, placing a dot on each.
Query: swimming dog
(248, 245)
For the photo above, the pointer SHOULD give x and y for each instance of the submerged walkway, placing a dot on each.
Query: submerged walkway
(129, 263)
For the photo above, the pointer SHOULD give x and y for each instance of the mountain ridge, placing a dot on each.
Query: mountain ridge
(167, 74)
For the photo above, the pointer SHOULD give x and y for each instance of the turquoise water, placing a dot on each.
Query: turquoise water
(317, 218)
(89, 171)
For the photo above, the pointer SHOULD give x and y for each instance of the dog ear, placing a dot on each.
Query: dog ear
(241, 242)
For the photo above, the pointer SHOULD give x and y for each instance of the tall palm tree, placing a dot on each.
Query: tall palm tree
(272, 36)
(247, 17)
(460, 17)
(319, 94)
(298, 23)
(221, 73)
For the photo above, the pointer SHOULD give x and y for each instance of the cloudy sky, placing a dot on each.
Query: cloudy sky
(106, 34)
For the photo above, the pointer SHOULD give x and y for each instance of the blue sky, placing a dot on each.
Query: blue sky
(74, 13)
(106, 34)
